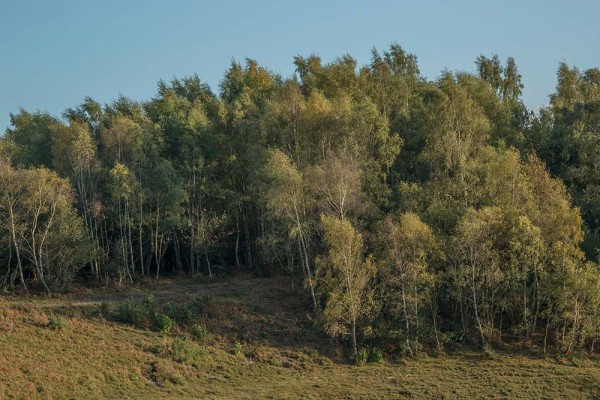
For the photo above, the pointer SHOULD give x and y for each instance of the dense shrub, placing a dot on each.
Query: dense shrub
(57, 322)
(236, 349)
(179, 349)
(361, 357)
(199, 332)
(163, 323)
(375, 356)
(136, 314)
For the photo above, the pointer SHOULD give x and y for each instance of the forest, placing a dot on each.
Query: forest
(415, 212)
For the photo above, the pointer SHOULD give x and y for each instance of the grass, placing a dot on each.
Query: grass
(281, 354)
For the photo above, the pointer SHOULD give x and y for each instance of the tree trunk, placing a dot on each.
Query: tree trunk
(536, 300)
(208, 264)
(177, 251)
(247, 237)
(407, 324)
(157, 245)
(434, 319)
(475, 305)
(141, 239)
(546, 335)
(308, 272)
(17, 250)
(130, 240)
(237, 241)
(193, 249)
(354, 345)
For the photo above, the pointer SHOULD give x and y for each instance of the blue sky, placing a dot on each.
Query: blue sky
(54, 53)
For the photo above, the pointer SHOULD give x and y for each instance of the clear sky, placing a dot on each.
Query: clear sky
(53, 53)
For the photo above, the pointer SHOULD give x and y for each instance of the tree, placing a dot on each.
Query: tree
(122, 185)
(165, 205)
(124, 138)
(347, 275)
(36, 207)
(31, 133)
(408, 248)
(54, 238)
(13, 211)
(288, 200)
(506, 81)
(74, 152)
(570, 129)
(337, 186)
(524, 273)
(478, 211)
(476, 273)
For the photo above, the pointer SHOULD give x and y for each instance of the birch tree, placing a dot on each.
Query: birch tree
(347, 274)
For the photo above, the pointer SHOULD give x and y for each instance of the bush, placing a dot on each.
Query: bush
(139, 314)
(361, 357)
(186, 316)
(132, 313)
(375, 356)
(104, 309)
(199, 332)
(149, 303)
(56, 322)
(163, 323)
(182, 351)
(236, 349)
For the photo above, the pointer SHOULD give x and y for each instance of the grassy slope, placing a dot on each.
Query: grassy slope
(283, 355)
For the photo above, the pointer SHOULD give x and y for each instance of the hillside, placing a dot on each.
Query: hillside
(261, 343)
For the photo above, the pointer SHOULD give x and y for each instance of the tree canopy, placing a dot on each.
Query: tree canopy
(416, 211)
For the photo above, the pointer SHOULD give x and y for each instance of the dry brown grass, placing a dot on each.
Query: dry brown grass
(283, 355)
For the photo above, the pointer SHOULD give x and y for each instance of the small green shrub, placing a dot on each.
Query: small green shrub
(180, 350)
(131, 313)
(199, 332)
(56, 322)
(375, 356)
(139, 314)
(361, 357)
(163, 323)
(236, 349)
(149, 302)
(577, 361)
(186, 316)
(105, 309)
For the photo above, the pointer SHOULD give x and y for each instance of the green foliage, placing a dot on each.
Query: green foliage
(148, 314)
(375, 355)
(37, 214)
(320, 359)
(32, 135)
(130, 312)
(180, 350)
(425, 211)
(163, 323)
(236, 349)
(148, 303)
(199, 332)
(57, 322)
(104, 309)
(361, 357)
(139, 314)
(348, 275)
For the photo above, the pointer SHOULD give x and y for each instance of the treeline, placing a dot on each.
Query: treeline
(417, 212)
